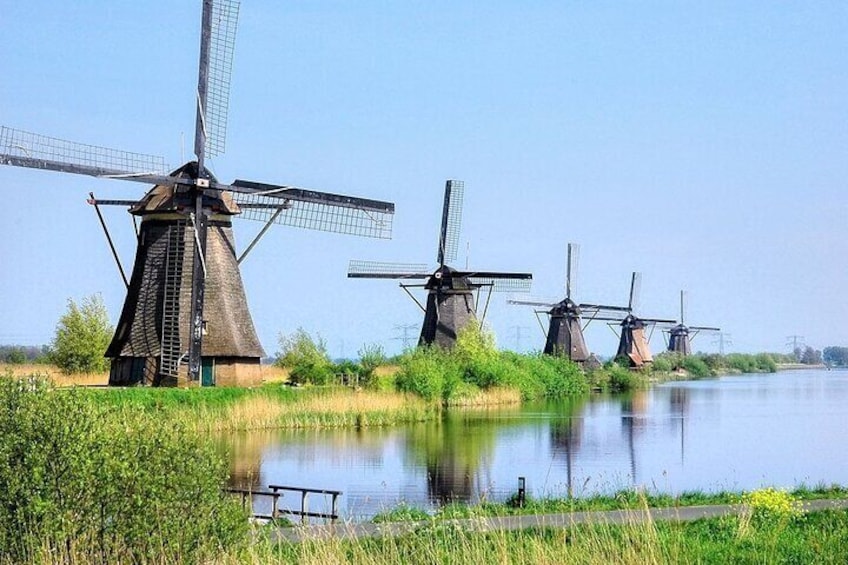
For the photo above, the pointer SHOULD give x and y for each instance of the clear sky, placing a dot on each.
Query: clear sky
(704, 144)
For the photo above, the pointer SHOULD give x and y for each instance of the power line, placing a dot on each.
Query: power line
(405, 336)
(723, 340)
(517, 334)
(794, 341)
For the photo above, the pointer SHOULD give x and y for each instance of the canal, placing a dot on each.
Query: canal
(730, 433)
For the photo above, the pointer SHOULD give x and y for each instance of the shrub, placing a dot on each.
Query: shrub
(77, 479)
(428, 372)
(306, 358)
(695, 366)
(370, 357)
(82, 336)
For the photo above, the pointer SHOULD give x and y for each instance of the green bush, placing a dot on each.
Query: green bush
(306, 358)
(765, 363)
(429, 372)
(82, 336)
(662, 364)
(370, 357)
(93, 484)
(696, 366)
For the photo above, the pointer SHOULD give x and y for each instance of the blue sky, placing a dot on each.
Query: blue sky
(703, 144)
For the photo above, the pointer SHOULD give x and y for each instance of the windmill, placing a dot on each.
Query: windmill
(450, 292)
(680, 336)
(633, 341)
(564, 336)
(185, 317)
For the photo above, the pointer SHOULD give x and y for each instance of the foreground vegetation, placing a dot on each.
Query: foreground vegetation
(88, 480)
(758, 536)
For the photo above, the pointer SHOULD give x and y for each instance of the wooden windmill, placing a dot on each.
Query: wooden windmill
(185, 318)
(633, 342)
(564, 336)
(451, 303)
(680, 336)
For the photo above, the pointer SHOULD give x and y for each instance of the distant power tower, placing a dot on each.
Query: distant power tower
(406, 333)
(795, 342)
(723, 340)
(517, 334)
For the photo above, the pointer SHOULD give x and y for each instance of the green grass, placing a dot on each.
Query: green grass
(820, 537)
(627, 499)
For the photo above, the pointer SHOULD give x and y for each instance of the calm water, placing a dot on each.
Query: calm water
(732, 433)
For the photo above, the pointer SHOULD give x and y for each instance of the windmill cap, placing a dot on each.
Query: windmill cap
(163, 198)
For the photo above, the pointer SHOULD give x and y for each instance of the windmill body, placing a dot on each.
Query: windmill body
(151, 336)
(564, 336)
(634, 340)
(451, 303)
(680, 335)
(450, 307)
(565, 332)
(185, 319)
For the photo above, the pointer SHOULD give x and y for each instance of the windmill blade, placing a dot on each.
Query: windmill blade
(704, 328)
(635, 290)
(660, 321)
(451, 221)
(315, 210)
(379, 270)
(539, 303)
(571, 267)
(604, 308)
(217, 42)
(24, 149)
(500, 282)
(683, 306)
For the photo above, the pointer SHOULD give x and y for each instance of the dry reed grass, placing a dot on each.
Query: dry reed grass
(488, 398)
(59, 378)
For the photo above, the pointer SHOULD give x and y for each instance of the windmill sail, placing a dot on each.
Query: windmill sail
(564, 336)
(450, 292)
(185, 316)
(680, 335)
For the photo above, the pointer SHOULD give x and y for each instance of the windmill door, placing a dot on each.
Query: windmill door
(207, 371)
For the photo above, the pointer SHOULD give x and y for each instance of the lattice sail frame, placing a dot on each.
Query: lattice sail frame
(221, 47)
(379, 269)
(499, 284)
(51, 153)
(314, 215)
(451, 221)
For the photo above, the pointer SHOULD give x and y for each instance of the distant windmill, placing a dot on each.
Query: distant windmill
(185, 316)
(681, 335)
(450, 299)
(633, 341)
(565, 329)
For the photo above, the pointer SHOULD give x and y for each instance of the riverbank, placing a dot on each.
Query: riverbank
(759, 533)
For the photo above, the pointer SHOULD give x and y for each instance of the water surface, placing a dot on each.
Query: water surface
(731, 433)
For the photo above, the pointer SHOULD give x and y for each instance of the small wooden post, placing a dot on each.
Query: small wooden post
(335, 510)
(522, 492)
(303, 507)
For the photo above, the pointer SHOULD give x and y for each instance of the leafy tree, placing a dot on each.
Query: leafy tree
(305, 357)
(836, 356)
(82, 335)
(811, 356)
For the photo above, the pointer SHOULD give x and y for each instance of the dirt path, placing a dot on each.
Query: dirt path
(681, 514)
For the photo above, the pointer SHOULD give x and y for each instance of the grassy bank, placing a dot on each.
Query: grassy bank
(758, 535)
(627, 499)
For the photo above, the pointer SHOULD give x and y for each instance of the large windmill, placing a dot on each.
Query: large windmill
(680, 336)
(185, 316)
(564, 336)
(633, 339)
(450, 292)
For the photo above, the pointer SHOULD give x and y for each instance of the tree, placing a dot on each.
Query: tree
(836, 356)
(82, 335)
(811, 356)
(306, 358)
